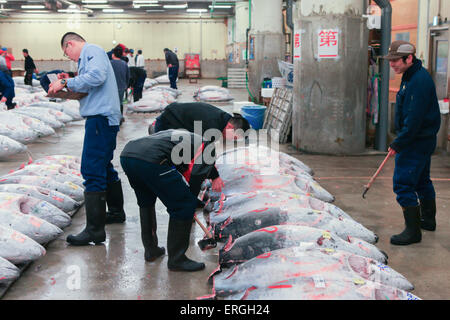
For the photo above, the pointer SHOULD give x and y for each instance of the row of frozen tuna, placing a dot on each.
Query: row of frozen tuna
(154, 99)
(285, 240)
(212, 94)
(36, 203)
(25, 124)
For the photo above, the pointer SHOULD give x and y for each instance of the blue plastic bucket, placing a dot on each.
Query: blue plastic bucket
(254, 115)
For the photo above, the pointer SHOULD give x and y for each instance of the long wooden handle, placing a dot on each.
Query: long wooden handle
(203, 227)
(379, 169)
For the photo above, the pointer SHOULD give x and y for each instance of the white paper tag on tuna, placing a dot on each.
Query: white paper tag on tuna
(52, 77)
(319, 281)
(302, 246)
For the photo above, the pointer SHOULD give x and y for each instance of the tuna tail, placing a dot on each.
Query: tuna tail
(211, 276)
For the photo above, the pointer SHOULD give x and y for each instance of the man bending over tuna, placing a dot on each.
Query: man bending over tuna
(183, 115)
(170, 165)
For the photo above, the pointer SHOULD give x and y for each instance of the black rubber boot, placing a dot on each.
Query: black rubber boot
(94, 231)
(412, 232)
(177, 244)
(428, 214)
(114, 199)
(148, 234)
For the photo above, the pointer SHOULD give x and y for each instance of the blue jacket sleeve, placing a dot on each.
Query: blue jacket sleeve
(415, 107)
(95, 71)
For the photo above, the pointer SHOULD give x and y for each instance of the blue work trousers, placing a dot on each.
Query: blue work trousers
(411, 179)
(98, 151)
(151, 181)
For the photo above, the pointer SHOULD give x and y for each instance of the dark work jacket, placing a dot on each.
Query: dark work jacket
(417, 115)
(29, 63)
(182, 116)
(157, 149)
(171, 58)
(6, 86)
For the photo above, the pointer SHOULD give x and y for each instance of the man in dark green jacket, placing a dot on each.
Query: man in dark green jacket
(417, 121)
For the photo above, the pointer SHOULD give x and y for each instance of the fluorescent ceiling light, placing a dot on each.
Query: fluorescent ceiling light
(111, 10)
(97, 6)
(72, 11)
(175, 6)
(3, 1)
(35, 11)
(95, 1)
(218, 6)
(196, 10)
(144, 1)
(138, 5)
(26, 6)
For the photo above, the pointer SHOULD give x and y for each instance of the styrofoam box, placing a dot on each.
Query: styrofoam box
(267, 92)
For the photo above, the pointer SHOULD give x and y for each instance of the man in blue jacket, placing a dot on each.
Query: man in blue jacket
(417, 121)
(101, 108)
(7, 93)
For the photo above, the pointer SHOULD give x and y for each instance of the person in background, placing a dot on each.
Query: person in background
(129, 54)
(101, 109)
(8, 57)
(137, 80)
(3, 65)
(417, 122)
(173, 65)
(122, 73)
(139, 60)
(154, 173)
(7, 93)
(29, 67)
(123, 47)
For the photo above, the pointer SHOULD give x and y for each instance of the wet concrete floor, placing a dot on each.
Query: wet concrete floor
(117, 269)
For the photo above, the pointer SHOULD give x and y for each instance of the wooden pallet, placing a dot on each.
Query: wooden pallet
(278, 115)
(236, 77)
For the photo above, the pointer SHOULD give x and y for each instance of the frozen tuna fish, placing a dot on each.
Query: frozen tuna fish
(61, 107)
(17, 248)
(70, 162)
(14, 128)
(34, 207)
(212, 93)
(286, 183)
(42, 114)
(40, 127)
(8, 271)
(56, 172)
(243, 222)
(225, 206)
(283, 236)
(36, 228)
(282, 264)
(58, 199)
(318, 288)
(262, 155)
(9, 147)
(68, 188)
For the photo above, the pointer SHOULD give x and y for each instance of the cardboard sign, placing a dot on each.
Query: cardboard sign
(328, 43)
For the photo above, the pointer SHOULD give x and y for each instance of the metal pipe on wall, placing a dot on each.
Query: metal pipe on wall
(386, 23)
